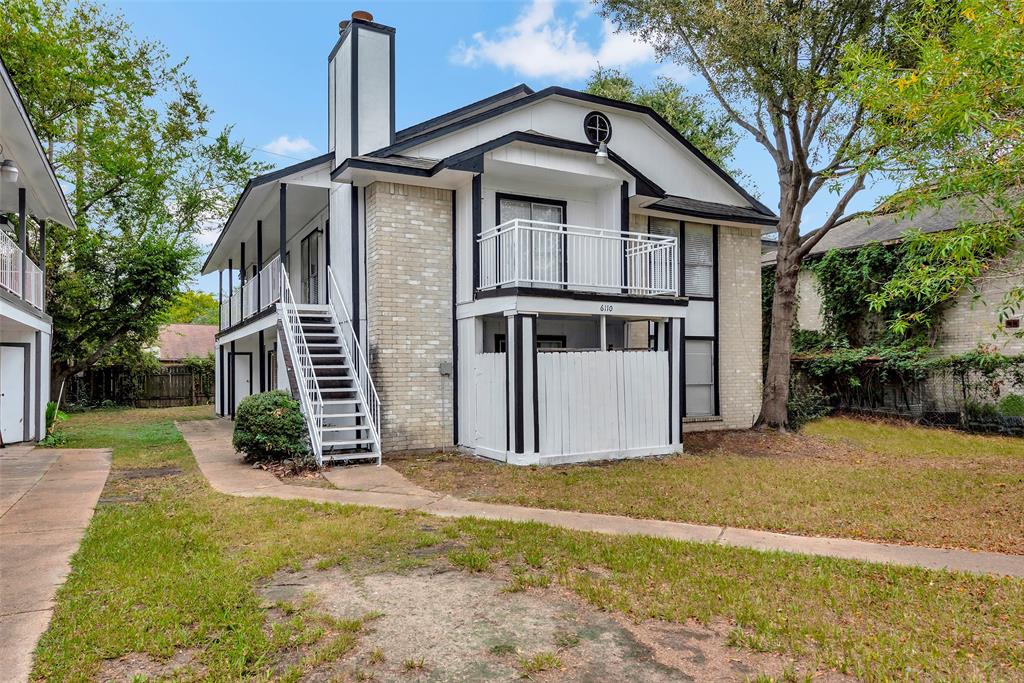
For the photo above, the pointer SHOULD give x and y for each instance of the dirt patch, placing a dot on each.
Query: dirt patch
(146, 472)
(439, 624)
(295, 475)
(137, 666)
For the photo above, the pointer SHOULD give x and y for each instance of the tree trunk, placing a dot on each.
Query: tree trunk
(776, 381)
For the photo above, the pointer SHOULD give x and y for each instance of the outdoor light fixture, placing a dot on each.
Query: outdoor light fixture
(602, 153)
(8, 169)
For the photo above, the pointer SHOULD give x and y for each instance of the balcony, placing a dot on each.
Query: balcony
(18, 275)
(527, 253)
(253, 297)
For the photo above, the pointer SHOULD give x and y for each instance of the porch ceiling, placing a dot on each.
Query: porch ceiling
(307, 195)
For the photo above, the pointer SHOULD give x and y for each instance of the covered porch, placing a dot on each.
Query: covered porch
(279, 225)
(549, 382)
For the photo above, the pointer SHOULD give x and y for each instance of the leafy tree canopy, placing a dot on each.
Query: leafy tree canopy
(198, 308)
(954, 122)
(126, 129)
(712, 133)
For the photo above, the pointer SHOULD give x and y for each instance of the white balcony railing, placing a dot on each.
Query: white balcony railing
(525, 253)
(243, 303)
(12, 263)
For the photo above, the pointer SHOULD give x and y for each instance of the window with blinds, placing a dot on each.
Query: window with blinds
(698, 264)
(700, 378)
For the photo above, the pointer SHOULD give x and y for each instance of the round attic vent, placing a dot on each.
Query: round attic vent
(597, 127)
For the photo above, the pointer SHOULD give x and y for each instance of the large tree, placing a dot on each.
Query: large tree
(775, 67)
(127, 132)
(689, 114)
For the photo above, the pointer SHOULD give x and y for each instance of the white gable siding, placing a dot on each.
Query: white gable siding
(634, 137)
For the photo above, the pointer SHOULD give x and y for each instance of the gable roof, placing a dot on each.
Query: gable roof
(496, 100)
(459, 119)
(178, 341)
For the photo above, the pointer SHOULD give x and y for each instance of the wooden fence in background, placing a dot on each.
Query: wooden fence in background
(173, 385)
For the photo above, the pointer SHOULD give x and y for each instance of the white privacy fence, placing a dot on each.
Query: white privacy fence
(487, 402)
(610, 402)
(242, 302)
(12, 263)
(589, 403)
(523, 252)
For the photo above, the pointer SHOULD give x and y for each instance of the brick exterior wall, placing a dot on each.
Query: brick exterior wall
(739, 329)
(968, 321)
(965, 323)
(409, 316)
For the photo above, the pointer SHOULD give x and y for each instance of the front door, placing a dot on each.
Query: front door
(243, 376)
(542, 249)
(12, 393)
(310, 248)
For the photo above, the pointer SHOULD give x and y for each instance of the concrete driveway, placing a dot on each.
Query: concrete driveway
(47, 497)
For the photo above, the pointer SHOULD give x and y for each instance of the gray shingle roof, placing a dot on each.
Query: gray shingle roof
(698, 207)
(890, 227)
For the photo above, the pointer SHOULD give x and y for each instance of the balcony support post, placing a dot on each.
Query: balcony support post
(231, 291)
(259, 267)
(604, 333)
(283, 228)
(220, 300)
(42, 259)
(23, 239)
(241, 267)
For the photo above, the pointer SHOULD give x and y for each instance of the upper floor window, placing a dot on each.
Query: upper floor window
(597, 127)
(699, 260)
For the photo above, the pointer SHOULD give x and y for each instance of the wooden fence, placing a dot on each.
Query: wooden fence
(170, 386)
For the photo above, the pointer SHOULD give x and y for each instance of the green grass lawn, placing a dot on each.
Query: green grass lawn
(173, 566)
(841, 477)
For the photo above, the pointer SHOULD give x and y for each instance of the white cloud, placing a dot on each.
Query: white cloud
(677, 72)
(540, 44)
(290, 147)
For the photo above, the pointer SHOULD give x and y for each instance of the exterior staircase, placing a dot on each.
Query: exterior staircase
(329, 375)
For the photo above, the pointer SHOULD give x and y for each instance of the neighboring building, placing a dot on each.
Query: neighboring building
(970, 320)
(537, 277)
(29, 197)
(179, 341)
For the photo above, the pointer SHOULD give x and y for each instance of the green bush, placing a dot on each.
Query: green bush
(979, 410)
(270, 427)
(1012, 405)
(806, 402)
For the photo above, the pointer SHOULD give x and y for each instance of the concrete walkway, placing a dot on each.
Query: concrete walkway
(383, 487)
(46, 500)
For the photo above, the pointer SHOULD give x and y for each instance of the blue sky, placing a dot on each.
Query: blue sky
(262, 66)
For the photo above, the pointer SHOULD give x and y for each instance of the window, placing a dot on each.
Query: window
(700, 378)
(597, 128)
(698, 263)
(542, 252)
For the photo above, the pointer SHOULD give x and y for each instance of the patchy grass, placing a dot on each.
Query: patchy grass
(843, 477)
(178, 570)
(539, 663)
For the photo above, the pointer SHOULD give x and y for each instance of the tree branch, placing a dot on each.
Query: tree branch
(833, 219)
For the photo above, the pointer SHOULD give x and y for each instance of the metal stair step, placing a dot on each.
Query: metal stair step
(346, 428)
(342, 443)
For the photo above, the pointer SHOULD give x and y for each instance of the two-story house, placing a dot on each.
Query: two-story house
(537, 277)
(30, 196)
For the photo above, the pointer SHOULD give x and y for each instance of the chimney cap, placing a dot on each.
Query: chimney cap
(342, 25)
(362, 15)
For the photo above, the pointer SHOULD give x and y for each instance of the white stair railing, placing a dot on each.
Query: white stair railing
(10, 264)
(305, 373)
(368, 397)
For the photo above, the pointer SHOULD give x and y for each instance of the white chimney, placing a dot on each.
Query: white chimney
(361, 88)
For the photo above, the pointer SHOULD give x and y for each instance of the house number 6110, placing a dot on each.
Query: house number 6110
(607, 308)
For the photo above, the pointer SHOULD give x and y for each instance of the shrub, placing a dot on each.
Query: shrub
(806, 402)
(270, 426)
(1012, 405)
(979, 410)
